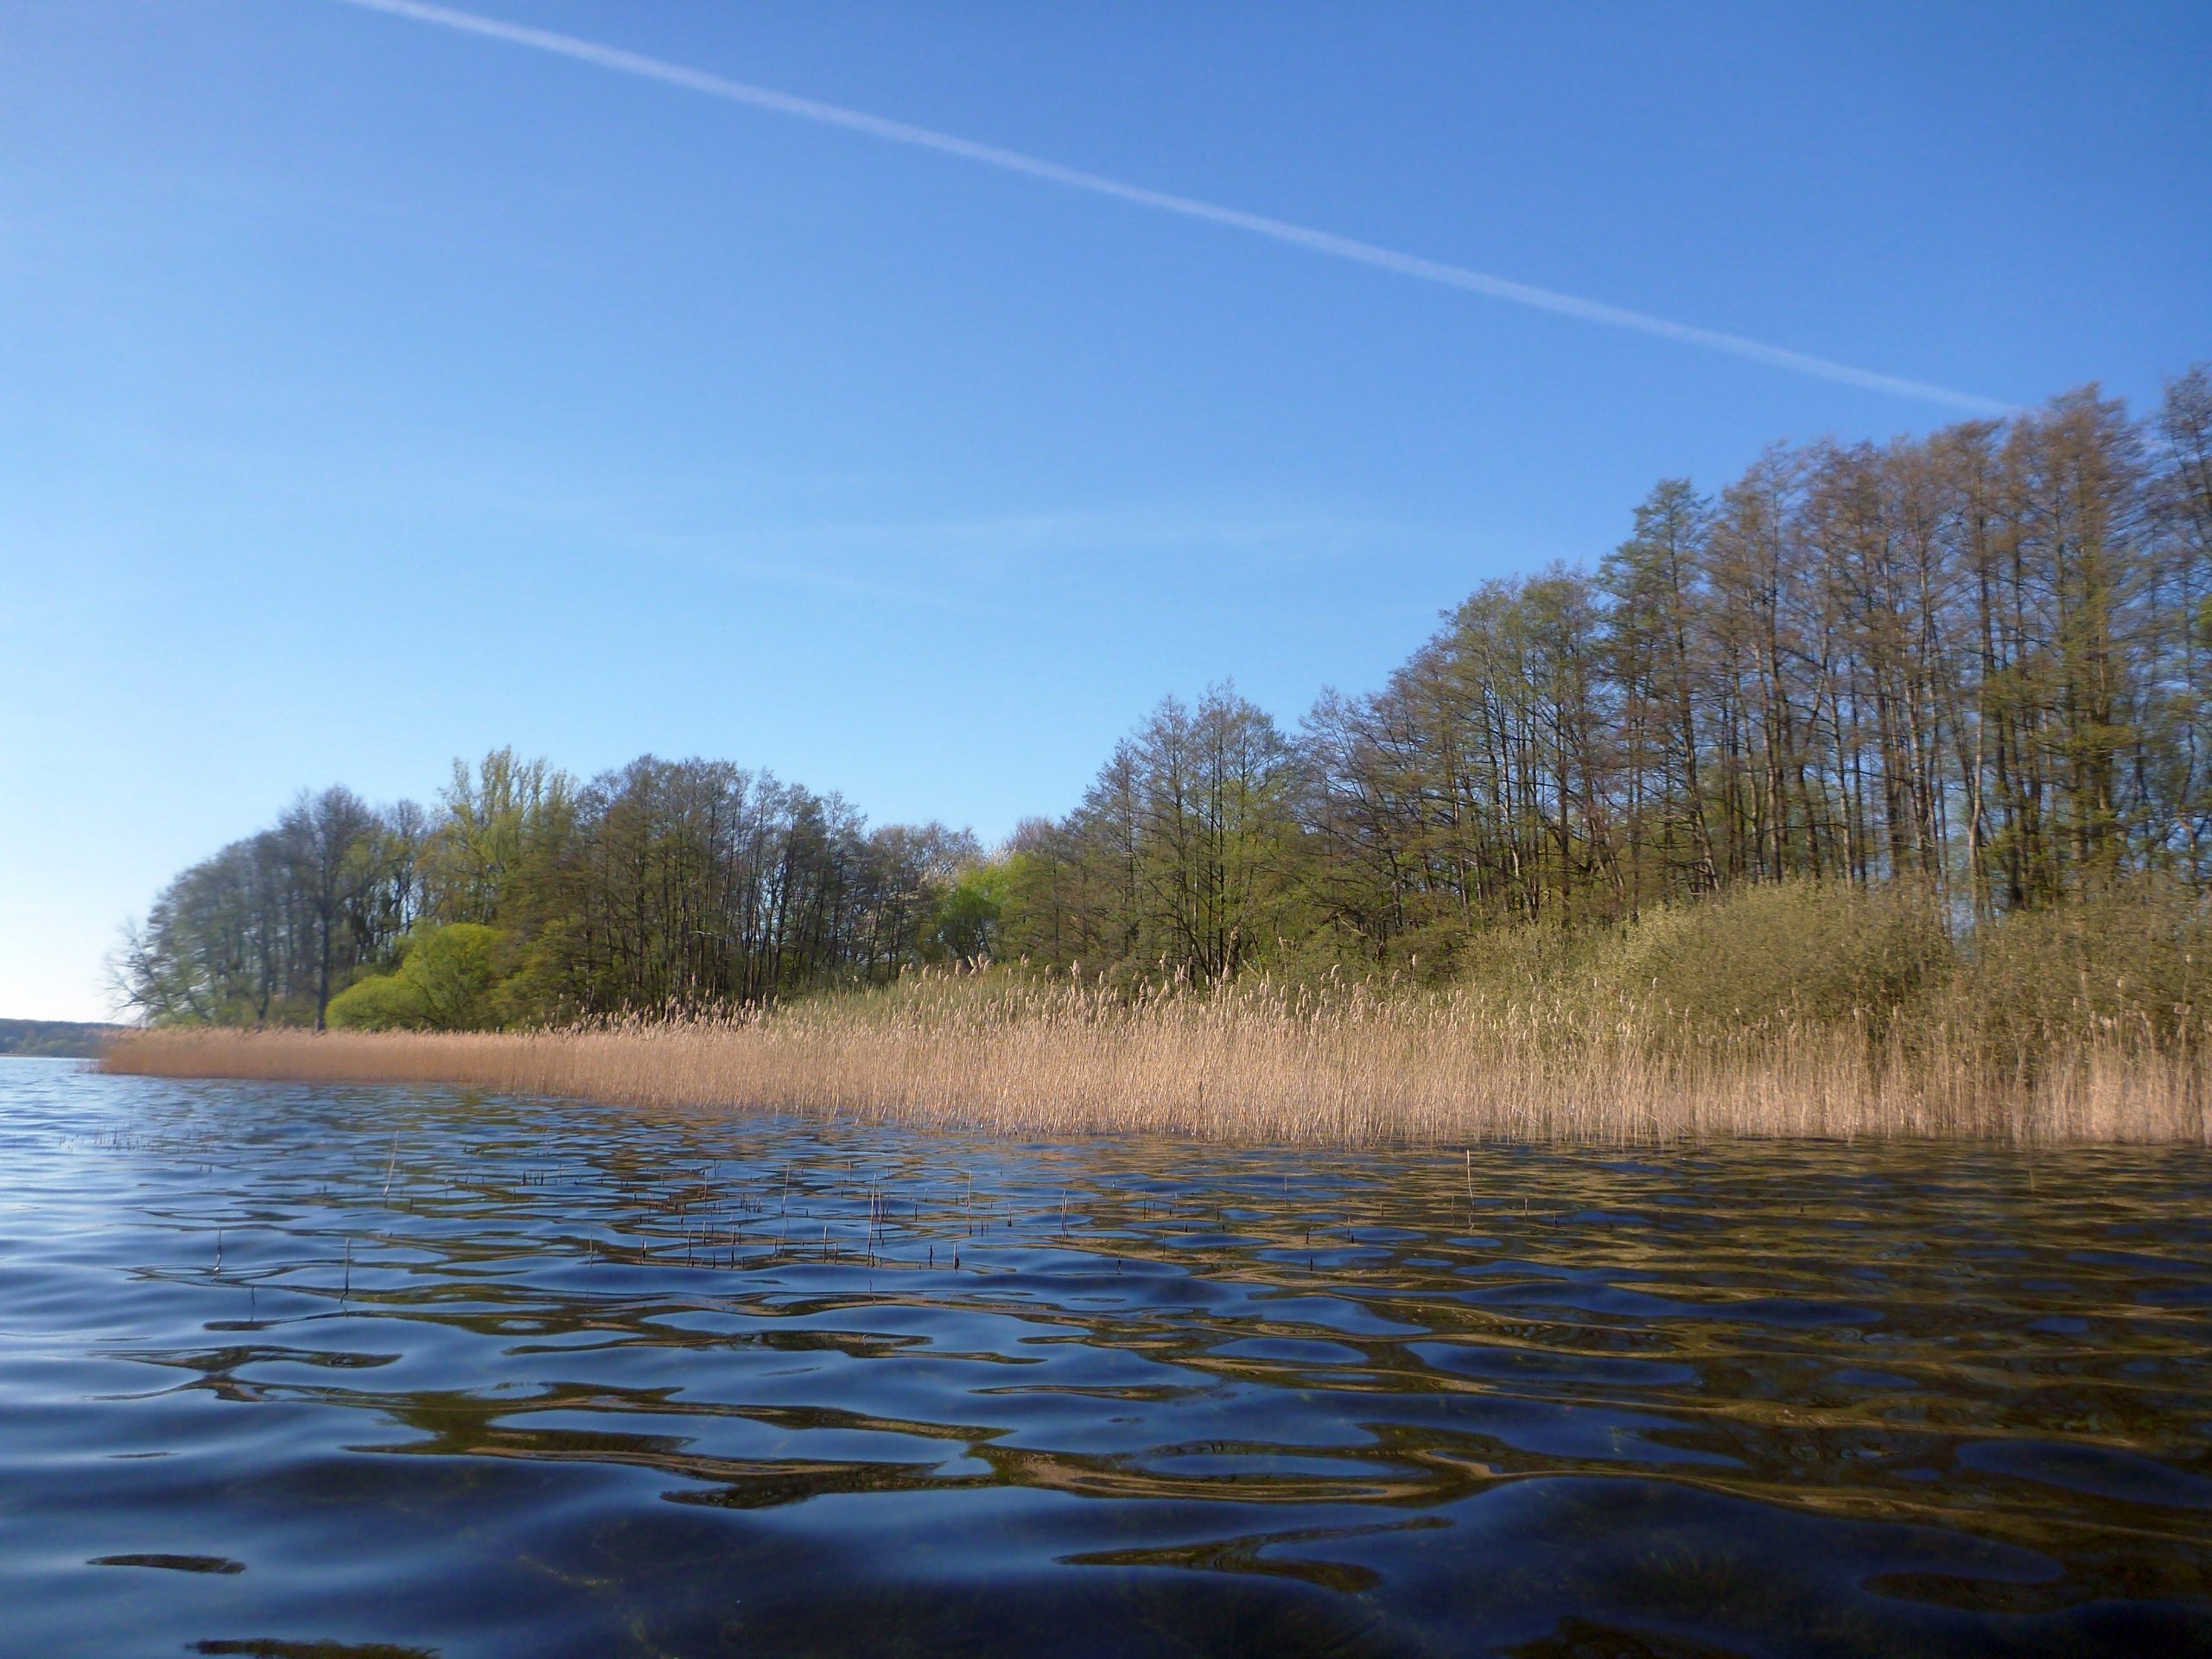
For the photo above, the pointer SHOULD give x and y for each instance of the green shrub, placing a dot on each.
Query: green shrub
(1759, 956)
(447, 981)
(2134, 961)
(1795, 950)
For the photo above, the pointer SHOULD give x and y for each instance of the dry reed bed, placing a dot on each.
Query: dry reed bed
(1260, 1067)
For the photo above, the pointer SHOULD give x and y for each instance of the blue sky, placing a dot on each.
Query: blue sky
(372, 394)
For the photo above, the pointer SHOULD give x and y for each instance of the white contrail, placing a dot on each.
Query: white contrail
(1342, 247)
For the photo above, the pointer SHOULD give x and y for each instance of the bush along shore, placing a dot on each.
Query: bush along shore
(1788, 1010)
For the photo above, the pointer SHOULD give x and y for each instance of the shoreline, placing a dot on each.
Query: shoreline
(1225, 1071)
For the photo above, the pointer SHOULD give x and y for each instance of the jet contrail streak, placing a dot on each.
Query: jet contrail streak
(1301, 236)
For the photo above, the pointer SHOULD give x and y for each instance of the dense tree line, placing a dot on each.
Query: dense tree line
(1978, 662)
(530, 896)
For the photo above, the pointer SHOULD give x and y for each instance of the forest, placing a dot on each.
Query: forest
(1973, 668)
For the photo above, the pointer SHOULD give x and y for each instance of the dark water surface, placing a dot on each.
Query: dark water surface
(288, 1371)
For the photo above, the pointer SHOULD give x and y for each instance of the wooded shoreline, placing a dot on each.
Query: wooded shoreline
(1974, 666)
(1870, 796)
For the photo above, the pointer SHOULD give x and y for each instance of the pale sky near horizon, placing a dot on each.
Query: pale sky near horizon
(373, 392)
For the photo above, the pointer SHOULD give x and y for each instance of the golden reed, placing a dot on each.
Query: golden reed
(1258, 1065)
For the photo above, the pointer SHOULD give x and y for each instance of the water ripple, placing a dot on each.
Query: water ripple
(414, 1371)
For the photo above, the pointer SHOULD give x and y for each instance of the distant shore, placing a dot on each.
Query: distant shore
(54, 1039)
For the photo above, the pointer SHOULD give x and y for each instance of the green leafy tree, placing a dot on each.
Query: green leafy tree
(966, 926)
(449, 980)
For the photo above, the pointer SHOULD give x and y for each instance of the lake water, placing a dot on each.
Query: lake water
(307, 1371)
